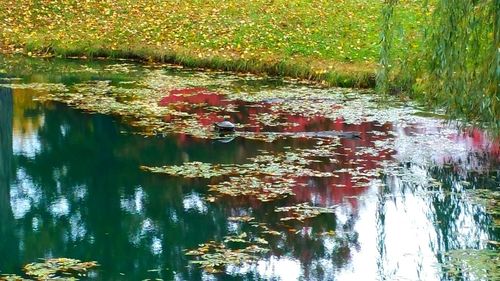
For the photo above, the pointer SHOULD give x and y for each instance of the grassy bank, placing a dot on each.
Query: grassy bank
(333, 41)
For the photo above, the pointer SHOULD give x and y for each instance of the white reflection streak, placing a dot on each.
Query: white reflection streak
(156, 247)
(147, 226)
(35, 224)
(64, 128)
(410, 232)
(193, 201)
(28, 145)
(134, 205)
(274, 268)
(283, 268)
(363, 263)
(77, 227)
(23, 194)
(80, 192)
(60, 207)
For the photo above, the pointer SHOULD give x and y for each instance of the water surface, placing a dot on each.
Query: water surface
(71, 186)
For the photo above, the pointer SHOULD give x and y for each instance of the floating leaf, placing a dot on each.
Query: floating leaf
(12, 277)
(241, 219)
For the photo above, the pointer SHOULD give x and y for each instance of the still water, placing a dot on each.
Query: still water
(71, 186)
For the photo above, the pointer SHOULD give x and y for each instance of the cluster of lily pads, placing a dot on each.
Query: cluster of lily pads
(213, 256)
(303, 211)
(63, 269)
(248, 247)
(263, 189)
(491, 200)
(267, 177)
(471, 264)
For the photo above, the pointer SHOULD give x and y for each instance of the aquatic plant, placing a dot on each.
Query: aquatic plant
(303, 211)
(490, 199)
(241, 219)
(13, 277)
(267, 177)
(263, 189)
(472, 264)
(213, 256)
(54, 269)
(193, 170)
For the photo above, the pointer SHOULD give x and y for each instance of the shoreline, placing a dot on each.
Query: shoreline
(345, 75)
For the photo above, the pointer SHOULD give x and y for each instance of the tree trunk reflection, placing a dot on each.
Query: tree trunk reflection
(5, 149)
(6, 218)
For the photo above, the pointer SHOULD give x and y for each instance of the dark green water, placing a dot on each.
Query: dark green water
(70, 186)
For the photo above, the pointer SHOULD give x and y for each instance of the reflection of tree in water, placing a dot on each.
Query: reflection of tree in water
(85, 175)
(5, 145)
(319, 255)
(87, 199)
(27, 119)
(474, 219)
(5, 134)
(6, 219)
(456, 223)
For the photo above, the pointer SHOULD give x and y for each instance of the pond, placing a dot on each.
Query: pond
(118, 163)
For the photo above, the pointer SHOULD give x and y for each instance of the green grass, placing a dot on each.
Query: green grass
(332, 41)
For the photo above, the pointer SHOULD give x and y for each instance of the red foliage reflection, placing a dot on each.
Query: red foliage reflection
(479, 140)
(346, 186)
(192, 96)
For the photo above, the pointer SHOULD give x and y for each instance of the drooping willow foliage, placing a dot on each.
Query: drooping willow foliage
(456, 63)
(386, 38)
